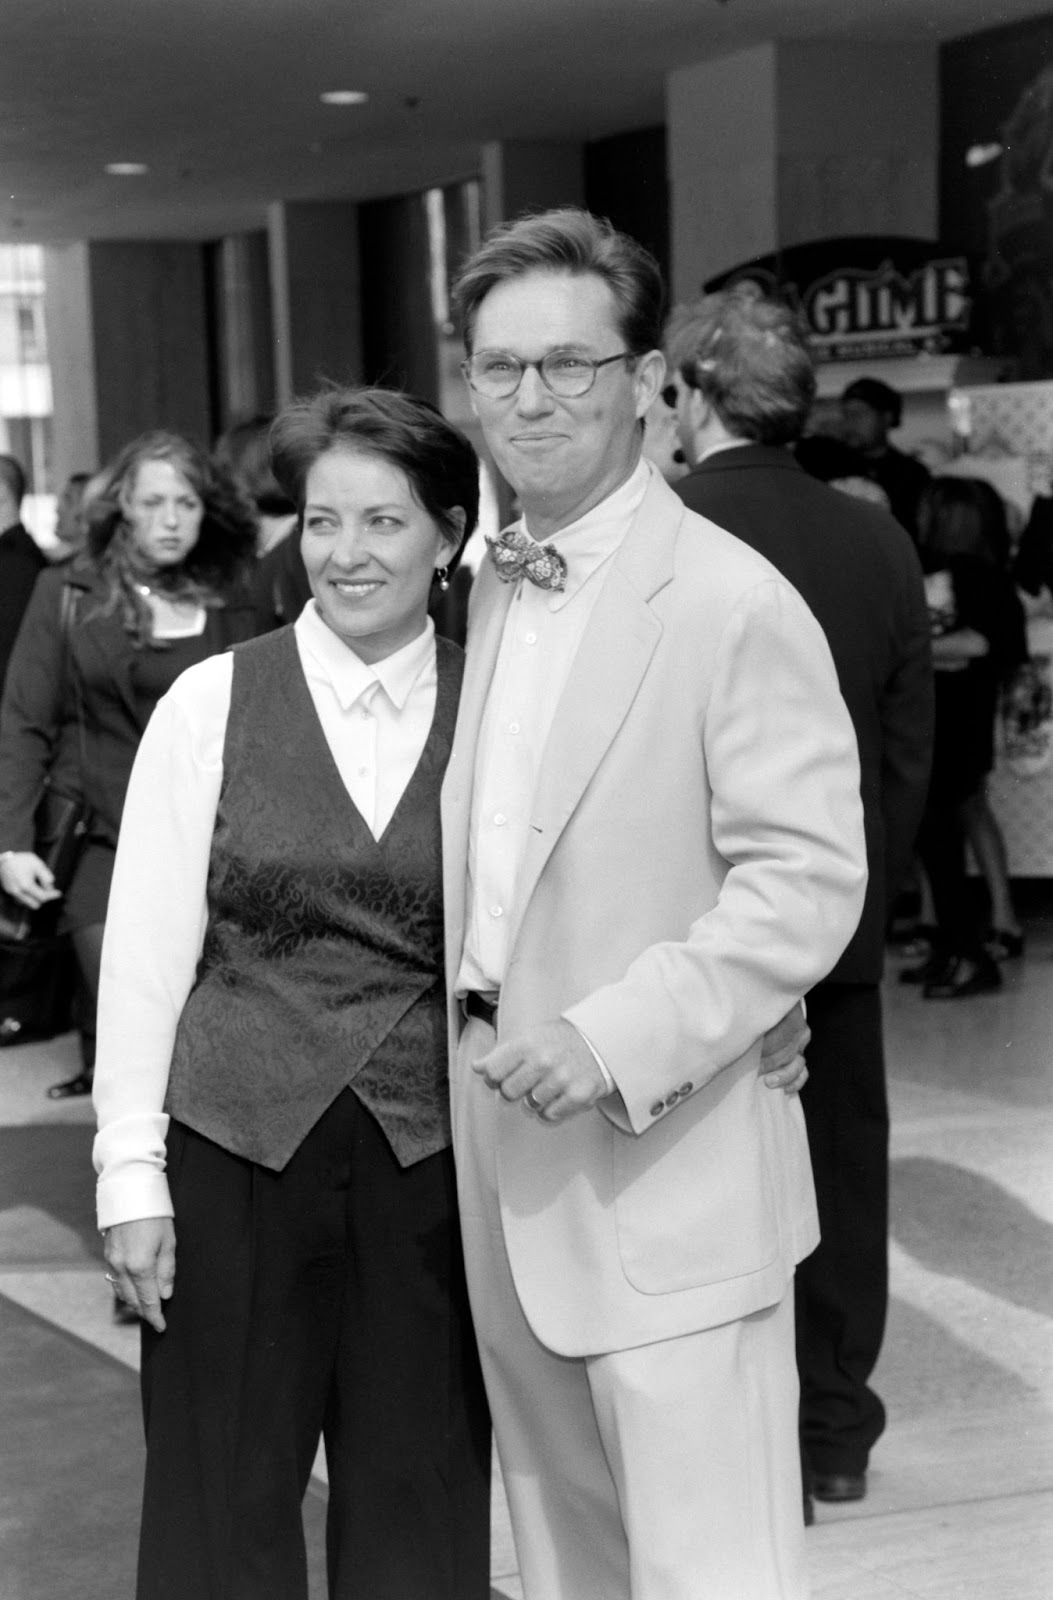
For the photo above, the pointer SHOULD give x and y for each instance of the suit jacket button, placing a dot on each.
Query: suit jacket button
(686, 1088)
(657, 1108)
(671, 1102)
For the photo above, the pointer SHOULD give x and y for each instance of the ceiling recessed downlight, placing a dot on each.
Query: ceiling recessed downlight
(126, 169)
(345, 97)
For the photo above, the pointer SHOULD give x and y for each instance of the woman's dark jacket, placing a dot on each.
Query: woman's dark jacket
(39, 733)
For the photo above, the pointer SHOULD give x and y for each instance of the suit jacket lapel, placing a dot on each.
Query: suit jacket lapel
(612, 658)
(103, 636)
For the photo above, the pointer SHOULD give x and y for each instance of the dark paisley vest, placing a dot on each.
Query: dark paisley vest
(322, 964)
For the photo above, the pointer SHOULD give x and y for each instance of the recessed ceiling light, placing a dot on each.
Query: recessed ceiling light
(344, 97)
(979, 155)
(126, 169)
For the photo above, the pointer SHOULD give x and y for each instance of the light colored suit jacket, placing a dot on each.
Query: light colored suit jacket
(696, 863)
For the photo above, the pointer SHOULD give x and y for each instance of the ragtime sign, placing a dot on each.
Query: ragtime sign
(898, 300)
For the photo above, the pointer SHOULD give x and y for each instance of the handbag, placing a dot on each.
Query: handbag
(59, 827)
(59, 830)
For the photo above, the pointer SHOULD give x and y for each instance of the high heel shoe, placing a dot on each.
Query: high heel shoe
(70, 1088)
(1003, 945)
(966, 975)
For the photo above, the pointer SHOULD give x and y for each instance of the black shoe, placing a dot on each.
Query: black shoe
(930, 970)
(838, 1487)
(71, 1087)
(1001, 945)
(967, 975)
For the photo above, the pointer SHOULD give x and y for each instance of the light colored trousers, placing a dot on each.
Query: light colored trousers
(666, 1472)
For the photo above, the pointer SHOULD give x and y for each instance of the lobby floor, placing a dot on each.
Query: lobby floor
(961, 1487)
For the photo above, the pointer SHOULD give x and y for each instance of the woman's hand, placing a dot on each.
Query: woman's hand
(141, 1255)
(28, 879)
(782, 1053)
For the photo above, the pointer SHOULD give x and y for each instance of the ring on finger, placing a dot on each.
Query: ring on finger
(532, 1101)
(110, 1277)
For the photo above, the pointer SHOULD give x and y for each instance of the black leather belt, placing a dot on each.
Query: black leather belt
(483, 1006)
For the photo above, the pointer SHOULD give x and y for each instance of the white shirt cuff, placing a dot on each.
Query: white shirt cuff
(608, 1080)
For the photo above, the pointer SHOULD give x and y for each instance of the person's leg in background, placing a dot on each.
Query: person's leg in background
(960, 966)
(1006, 938)
(87, 946)
(842, 1288)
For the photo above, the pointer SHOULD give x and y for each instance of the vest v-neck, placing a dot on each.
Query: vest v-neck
(436, 745)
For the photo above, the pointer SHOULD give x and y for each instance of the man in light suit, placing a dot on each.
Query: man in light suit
(654, 848)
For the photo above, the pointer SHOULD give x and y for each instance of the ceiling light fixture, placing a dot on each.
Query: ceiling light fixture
(126, 169)
(344, 97)
(981, 155)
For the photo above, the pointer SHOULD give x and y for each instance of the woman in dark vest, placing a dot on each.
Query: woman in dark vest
(272, 1076)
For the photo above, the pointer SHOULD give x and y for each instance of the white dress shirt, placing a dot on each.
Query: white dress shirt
(375, 720)
(541, 636)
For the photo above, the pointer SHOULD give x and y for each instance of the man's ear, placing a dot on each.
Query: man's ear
(648, 377)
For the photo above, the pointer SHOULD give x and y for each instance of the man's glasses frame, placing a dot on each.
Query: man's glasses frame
(564, 384)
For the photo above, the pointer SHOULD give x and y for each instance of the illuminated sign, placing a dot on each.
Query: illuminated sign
(864, 298)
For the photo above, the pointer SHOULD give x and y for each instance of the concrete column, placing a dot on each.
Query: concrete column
(530, 175)
(315, 294)
(71, 356)
(788, 142)
(244, 328)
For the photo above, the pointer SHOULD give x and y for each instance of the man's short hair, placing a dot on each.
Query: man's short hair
(748, 355)
(13, 478)
(880, 397)
(574, 241)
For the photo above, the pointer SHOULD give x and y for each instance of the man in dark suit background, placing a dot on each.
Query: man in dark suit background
(745, 383)
(20, 558)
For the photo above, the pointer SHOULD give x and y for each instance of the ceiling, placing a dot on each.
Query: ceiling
(220, 98)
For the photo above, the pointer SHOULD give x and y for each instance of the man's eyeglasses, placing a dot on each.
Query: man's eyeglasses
(497, 375)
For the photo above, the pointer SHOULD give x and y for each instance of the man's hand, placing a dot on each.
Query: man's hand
(141, 1255)
(549, 1068)
(28, 879)
(782, 1053)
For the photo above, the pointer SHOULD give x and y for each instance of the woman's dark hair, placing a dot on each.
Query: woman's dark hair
(574, 241)
(225, 546)
(963, 516)
(748, 355)
(410, 433)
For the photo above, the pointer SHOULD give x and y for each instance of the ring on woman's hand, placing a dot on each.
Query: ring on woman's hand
(110, 1277)
(532, 1101)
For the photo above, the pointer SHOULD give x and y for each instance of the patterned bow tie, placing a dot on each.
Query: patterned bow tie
(516, 555)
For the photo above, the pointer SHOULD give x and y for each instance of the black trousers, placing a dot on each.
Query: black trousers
(842, 1289)
(327, 1298)
(941, 845)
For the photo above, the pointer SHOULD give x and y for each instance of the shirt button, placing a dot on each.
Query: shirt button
(500, 819)
(365, 715)
(497, 911)
(513, 727)
(531, 638)
(363, 772)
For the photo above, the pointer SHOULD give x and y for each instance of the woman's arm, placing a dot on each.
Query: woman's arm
(31, 713)
(154, 930)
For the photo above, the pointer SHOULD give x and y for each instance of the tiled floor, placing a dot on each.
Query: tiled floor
(961, 1490)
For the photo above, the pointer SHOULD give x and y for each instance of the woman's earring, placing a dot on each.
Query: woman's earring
(443, 575)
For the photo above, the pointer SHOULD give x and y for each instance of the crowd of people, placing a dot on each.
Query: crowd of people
(443, 1011)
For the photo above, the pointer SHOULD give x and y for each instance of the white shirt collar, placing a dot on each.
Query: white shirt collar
(349, 675)
(591, 539)
(718, 449)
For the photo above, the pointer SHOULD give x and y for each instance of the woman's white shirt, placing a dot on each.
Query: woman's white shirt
(375, 720)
